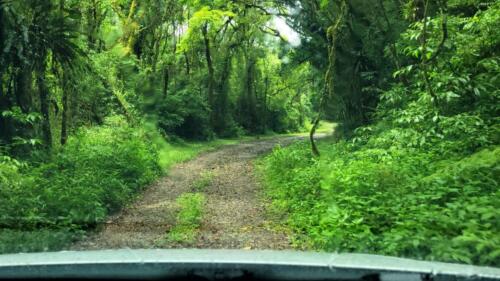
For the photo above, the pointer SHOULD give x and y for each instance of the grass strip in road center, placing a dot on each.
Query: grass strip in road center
(188, 218)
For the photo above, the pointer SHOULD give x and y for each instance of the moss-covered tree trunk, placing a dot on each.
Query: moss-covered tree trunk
(329, 90)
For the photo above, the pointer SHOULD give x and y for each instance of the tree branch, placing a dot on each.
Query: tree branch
(265, 11)
(444, 27)
(273, 32)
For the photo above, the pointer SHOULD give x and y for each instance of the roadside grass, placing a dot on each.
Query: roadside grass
(325, 127)
(204, 180)
(171, 153)
(188, 218)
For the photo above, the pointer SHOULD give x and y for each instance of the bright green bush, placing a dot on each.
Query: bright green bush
(98, 171)
(393, 202)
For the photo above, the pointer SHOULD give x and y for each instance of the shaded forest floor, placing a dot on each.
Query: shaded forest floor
(233, 213)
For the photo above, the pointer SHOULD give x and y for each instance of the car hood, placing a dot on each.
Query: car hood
(231, 264)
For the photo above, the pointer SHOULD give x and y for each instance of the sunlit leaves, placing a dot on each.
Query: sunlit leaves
(212, 18)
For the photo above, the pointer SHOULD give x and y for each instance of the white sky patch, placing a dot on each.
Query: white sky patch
(286, 31)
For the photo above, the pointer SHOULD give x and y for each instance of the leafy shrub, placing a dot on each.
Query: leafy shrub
(184, 114)
(15, 196)
(98, 171)
(394, 202)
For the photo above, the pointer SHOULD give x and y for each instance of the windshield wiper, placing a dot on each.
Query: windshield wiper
(231, 265)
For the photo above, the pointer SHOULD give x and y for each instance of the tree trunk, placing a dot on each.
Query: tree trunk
(166, 80)
(5, 125)
(210, 69)
(65, 109)
(329, 89)
(170, 70)
(264, 100)
(23, 80)
(314, 148)
(91, 36)
(220, 124)
(188, 70)
(43, 91)
(250, 98)
(129, 38)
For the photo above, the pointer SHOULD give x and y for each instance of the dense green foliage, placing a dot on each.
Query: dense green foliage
(421, 181)
(94, 174)
(99, 97)
(398, 202)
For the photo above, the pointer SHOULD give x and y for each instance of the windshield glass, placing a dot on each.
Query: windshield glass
(338, 126)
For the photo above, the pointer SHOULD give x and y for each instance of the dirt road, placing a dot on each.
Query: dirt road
(233, 217)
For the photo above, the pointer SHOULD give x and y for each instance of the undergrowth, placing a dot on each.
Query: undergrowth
(98, 171)
(394, 202)
(422, 180)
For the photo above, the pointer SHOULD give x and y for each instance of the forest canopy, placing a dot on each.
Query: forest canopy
(198, 69)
